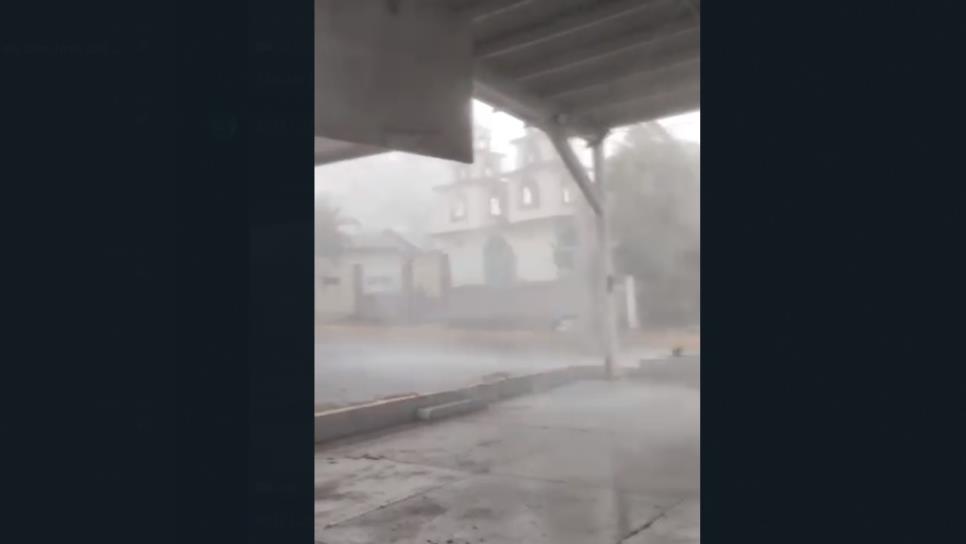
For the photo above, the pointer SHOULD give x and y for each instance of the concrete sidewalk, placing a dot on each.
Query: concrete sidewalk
(590, 462)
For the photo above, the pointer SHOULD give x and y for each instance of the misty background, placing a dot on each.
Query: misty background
(391, 203)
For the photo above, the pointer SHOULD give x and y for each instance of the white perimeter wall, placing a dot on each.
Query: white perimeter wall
(338, 300)
(381, 272)
(333, 301)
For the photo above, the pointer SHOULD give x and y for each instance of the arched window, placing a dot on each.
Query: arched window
(458, 208)
(496, 207)
(529, 194)
(567, 195)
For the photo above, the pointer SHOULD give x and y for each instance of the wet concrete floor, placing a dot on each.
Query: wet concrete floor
(591, 462)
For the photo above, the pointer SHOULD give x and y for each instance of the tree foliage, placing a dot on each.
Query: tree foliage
(329, 239)
(655, 185)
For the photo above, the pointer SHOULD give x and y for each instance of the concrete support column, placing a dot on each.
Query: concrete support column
(603, 288)
(588, 272)
(630, 294)
(607, 286)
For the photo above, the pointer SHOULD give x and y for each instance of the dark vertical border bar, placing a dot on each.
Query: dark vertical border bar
(87, 175)
(281, 204)
(213, 271)
(245, 271)
(831, 332)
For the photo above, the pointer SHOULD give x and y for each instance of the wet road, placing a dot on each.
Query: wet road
(348, 373)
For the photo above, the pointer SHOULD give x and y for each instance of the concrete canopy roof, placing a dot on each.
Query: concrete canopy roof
(328, 150)
(580, 66)
(586, 65)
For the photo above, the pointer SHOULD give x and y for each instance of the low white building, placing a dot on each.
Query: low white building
(379, 275)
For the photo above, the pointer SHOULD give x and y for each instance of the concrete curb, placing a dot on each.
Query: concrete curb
(440, 411)
(352, 420)
(684, 370)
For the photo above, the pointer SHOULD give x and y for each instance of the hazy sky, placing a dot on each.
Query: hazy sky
(504, 127)
(367, 188)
